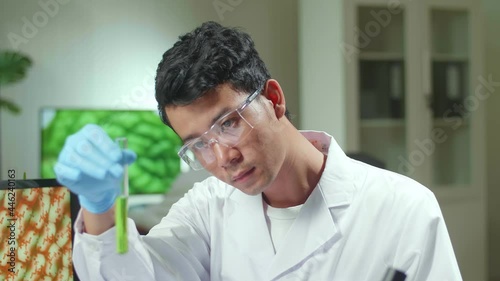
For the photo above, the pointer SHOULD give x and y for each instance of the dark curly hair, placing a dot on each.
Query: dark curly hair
(203, 59)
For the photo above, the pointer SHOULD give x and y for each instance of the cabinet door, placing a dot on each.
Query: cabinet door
(376, 81)
(453, 75)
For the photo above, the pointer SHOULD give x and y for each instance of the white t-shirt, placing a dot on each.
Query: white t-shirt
(279, 221)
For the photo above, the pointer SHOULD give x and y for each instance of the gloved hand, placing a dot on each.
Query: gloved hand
(90, 165)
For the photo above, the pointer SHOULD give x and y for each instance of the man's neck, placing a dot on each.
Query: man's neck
(299, 175)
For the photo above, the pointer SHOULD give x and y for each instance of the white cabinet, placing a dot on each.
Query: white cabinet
(415, 94)
(413, 70)
(403, 81)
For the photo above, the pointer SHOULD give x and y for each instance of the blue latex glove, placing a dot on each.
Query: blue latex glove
(90, 165)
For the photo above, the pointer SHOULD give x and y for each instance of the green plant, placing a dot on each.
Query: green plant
(13, 68)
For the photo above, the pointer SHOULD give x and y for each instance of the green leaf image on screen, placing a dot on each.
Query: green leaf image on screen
(156, 145)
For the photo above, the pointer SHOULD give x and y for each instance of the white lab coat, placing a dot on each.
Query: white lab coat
(358, 221)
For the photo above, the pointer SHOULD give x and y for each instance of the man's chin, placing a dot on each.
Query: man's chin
(250, 190)
(253, 192)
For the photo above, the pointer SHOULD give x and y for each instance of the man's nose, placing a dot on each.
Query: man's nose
(225, 155)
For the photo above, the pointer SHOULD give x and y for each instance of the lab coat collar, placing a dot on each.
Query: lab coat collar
(315, 223)
(338, 181)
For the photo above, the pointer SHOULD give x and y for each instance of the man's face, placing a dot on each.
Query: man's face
(252, 164)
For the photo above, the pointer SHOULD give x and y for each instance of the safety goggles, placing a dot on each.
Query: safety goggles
(228, 130)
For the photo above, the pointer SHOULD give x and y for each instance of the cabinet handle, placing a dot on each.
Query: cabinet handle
(426, 79)
(429, 100)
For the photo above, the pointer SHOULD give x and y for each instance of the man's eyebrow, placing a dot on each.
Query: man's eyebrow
(221, 113)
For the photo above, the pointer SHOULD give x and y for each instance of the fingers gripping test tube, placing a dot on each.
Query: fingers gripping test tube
(121, 204)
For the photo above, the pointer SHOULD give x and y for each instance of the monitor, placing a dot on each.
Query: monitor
(156, 145)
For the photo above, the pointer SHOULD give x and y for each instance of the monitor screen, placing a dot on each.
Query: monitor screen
(156, 144)
(36, 233)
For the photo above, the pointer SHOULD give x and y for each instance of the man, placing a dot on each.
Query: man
(282, 205)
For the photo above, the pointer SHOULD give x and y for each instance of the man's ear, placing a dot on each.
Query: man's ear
(274, 93)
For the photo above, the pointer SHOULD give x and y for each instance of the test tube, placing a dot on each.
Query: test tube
(121, 203)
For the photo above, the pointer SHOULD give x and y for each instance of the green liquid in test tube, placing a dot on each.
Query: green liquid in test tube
(121, 204)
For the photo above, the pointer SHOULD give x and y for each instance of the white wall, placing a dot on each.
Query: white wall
(89, 54)
(321, 67)
(103, 54)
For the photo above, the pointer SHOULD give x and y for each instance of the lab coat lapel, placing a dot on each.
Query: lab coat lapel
(248, 231)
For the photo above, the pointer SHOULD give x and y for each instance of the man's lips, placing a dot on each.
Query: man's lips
(243, 174)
